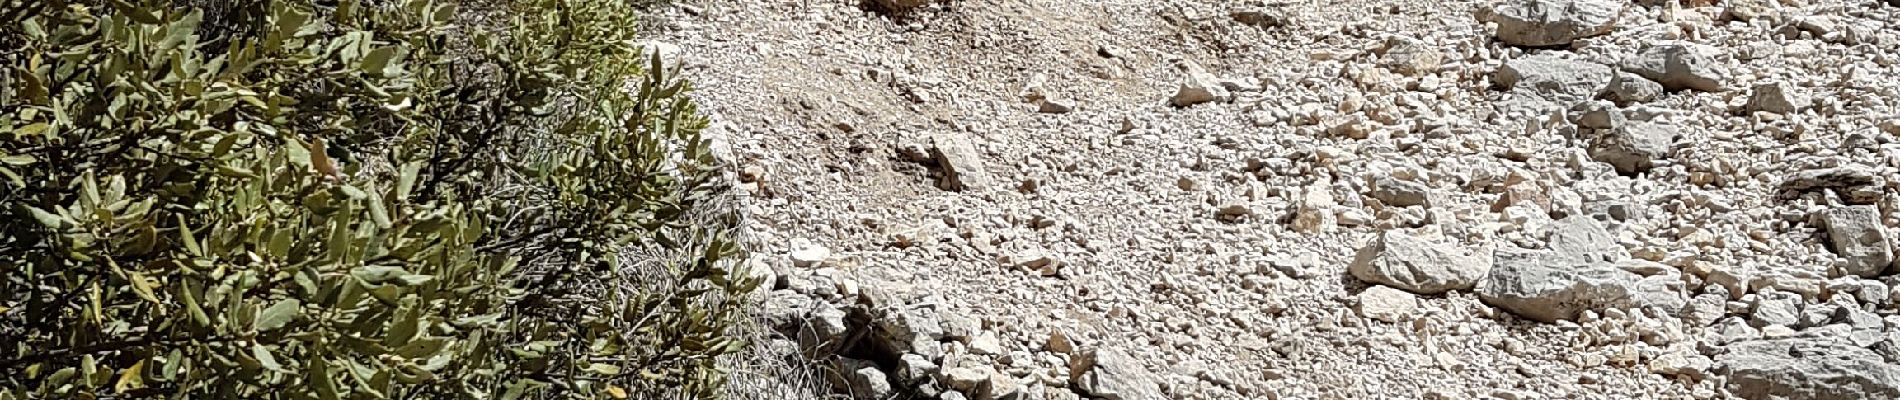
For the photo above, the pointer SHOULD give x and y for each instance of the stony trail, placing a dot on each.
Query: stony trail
(1198, 199)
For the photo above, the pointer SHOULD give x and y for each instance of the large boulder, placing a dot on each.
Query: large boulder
(1579, 272)
(1807, 368)
(1416, 265)
(1537, 23)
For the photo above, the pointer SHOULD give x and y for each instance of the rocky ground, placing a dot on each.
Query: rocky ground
(1344, 199)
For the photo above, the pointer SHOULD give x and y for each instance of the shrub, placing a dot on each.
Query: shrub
(353, 199)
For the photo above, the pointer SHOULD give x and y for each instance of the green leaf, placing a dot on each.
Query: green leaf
(322, 380)
(191, 243)
(180, 32)
(279, 246)
(172, 362)
(137, 13)
(382, 62)
(131, 378)
(352, 192)
(265, 358)
(378, 274)
(142, 287)
(604, 369)
(407, 182)
(445, 13)
(191, 294)
(35, 129)
(16, 159)
(402, 329)
(47, 219)
(278, 315)
(378, 213)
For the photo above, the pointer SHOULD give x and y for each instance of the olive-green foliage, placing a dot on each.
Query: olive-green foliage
(352, 199)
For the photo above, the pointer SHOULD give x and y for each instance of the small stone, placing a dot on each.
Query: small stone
(969, 379)
(1681, 363)
(1400, 260)
(1523, 194)
(1705, 309)
(1259, 17)
(824, 331)
(1873, 292)
(1109, 375)
(1315, 214)
(1056, 106)
(1059, 342)
(1577, 273)
(912, 367)
(1240, 85)
(1855, 184)
(1596, 115)
(1234, 211)
(1779, 98)
(1410, 56)
(1859, 238)
(1386, 304)
(1198, 86)
(1777, 309)
(1040, 261)
(1635, 147)
(807, 254)
(1538, 23)
(1555, 78)
(1401, 193)
(669, 53)
(1626, 88)
(1745, 10)
(1679, 66)
(902, 5)
(986, 344)
(870, 384)
(962, 165)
